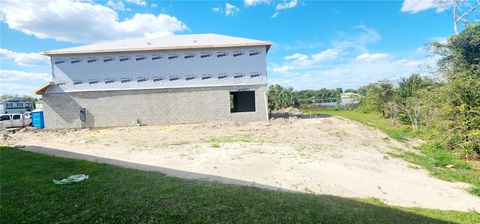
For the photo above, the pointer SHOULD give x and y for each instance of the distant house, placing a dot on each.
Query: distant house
(350, 98)
(15, 105)
(171, 80)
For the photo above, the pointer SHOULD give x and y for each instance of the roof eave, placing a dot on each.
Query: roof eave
(52, 53)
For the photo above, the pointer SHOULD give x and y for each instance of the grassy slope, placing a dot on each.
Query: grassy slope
(433, 158)
(120, 195)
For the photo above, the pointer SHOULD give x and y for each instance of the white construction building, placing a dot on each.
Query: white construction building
(170, 80)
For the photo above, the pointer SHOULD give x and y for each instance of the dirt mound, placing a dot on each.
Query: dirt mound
(288, 112)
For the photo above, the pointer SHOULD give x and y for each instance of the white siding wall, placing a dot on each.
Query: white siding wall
(67, 72)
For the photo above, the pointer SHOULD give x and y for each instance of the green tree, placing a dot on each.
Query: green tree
(460, 66)
(280, 97)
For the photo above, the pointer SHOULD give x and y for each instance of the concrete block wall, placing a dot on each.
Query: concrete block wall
(153, 106)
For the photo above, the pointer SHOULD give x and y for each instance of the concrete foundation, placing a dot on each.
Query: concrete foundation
(148, 107)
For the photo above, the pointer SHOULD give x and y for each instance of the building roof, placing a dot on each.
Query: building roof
(189, 41)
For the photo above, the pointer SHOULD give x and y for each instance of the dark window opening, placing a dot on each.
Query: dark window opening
(204, 55)
(254, 53)
(236, 54)
(140, 58)
(91, 60)
(59, 62)
(205, 77)
(254, 75)
(222, 76)
(77, 82)
(156, 57)
(157, 79)
(242, 101)
(189, 56)
(236, 76)
(75, 61)
(125, 80)
(173, 79)
(92, 82)
(221, 55)
(141, 79)
(107, 59)
(124, 59)
(190, 78)
(16, 117)
(108, 81)
(172, 57)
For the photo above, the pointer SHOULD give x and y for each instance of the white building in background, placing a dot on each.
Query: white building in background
(176, 79)
(350, 98)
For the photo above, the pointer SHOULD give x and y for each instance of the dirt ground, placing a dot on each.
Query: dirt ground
(327, 155)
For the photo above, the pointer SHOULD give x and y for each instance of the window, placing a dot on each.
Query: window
(173, 79)
(16, 117)
(76, 82)
(139, 58)
(157, 79)
(92, 81)
(59, 62)
(19, 104)
(124, 58)
(156, 57)
(190, 78)
(124, 80)
(141, 79)
(237, 53)
(222, 76)
(5, 118)
(206, 77)
(252, 53)
(8, 104)
(188, 56)
(221, 54)
(90, 60)
(108, 81)
(242, 101)
(76, 60)
(205, 55)
(170, 57)
(237, 76)
(107, 59)
(253, 75)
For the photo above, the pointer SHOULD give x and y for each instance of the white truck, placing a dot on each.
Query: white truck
(14, 120)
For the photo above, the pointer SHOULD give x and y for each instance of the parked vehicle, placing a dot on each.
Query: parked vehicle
(15, 120)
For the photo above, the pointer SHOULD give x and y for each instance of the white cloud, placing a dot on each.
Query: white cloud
(351, 74)
(255, 2)
(326, 55)
(298, 59)
(358, 40)
(15, 75)
(372, 57)
(283, 69)
(286, 5)
(23, 59)
(117, 5)
(275, 15)
(414, 6)
(137, 2)
(231, 9)
(91, 22)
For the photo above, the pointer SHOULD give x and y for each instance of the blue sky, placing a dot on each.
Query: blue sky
(316, 44)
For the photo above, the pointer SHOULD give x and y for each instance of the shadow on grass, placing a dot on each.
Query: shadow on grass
(121, 195)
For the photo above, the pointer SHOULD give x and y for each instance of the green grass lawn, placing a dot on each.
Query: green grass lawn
(433, 157)
(121, 195)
